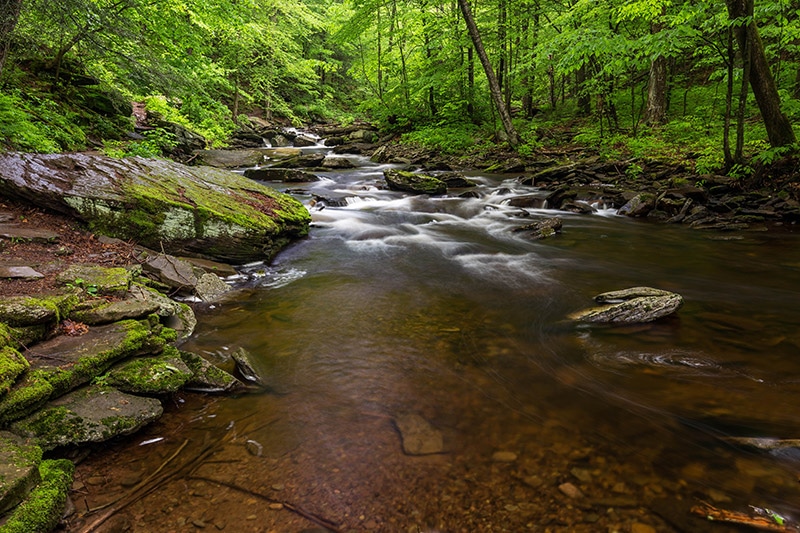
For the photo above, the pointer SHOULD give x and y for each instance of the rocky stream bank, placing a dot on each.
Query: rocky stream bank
(98, 278)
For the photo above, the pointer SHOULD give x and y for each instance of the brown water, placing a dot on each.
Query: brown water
(400, 306)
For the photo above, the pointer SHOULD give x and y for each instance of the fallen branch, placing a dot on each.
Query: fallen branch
(768, 521)
(320, 521)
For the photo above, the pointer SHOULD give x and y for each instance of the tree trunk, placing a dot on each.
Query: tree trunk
(779, 129)
(494, 87)
(584, 99)
(9, 14)
(656, 111)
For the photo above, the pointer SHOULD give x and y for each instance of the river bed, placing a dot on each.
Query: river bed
(398, 306)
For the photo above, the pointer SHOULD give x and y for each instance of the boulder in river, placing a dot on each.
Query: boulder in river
(399, 180)
(193, 211)
(635, 305)
(541, 229)
(419, 436)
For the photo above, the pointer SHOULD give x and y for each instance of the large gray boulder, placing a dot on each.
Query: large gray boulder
(631, 306)
(193, 211)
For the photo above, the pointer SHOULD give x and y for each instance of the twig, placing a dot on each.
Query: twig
(764, 523)
(320, 521)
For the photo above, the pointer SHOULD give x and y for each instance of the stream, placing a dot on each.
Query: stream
(398, 305)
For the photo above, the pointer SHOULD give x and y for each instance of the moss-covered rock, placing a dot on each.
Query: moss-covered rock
(206, 377)
(29, 311)
(399, 180)
(196, 211)
(68, 362)
(27, 395)
(12, 365)
(97, 280)
(99, 311)
(44, 507)
(91, 414)
(162, 374)
(19, 469)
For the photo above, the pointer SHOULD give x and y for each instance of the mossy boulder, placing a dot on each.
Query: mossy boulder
(91, 414)
(27, 395)
(175, 315)
(193, 211)
(100, 311)
(19, 469)
(44, 507)
(162, 374)
(400, 180)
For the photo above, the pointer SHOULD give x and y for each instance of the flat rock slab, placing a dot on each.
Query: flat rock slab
(75, 360)
(162, 374)
(231, 158)
(92, 414)
(19, 469)
(24, 233)
(19, 272)
(96, 279)
(97, 312)
(419, 437)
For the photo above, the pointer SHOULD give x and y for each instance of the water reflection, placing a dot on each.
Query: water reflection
(433, 307)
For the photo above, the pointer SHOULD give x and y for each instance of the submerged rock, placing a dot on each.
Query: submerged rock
(399, 180)
(419, 437)
(200, 211)
(244, 362)
(631, 306)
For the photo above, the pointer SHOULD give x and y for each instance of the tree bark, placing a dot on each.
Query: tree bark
(779, 129)
(494, 87)
(657, 92)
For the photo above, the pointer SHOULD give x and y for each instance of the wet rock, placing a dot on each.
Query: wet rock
(542, 229)
(207, 377)
(19, 272)
(245, 364)
(631, 306)
(175, 315)
(210, 287)
(303, 141)
(363, 136)
(286, 175)
(19, 469)
(92, 414)
(531, 201)
(203, 211)
(639, 206)
(339, 163)
(578, 207)
(455, 180)
(418, 436)
(399, 180)
(171, 271)
(161, 374)
(230, 158)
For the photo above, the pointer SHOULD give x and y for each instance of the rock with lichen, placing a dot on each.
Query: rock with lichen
(630, 306)
(161, 374)
(194, 211)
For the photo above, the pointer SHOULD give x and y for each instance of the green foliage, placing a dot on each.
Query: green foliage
(157, 142)
(454, 139)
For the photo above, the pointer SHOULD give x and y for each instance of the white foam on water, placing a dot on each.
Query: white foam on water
(507, 269)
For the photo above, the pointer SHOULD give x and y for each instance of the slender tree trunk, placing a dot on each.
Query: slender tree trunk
(494, 87)
(584, 100)
(726, 131)
(779, 129)
(656, 111)
(9, 14)
(380, 56)
(471, 83)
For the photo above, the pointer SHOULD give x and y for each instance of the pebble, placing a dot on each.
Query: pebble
(581, 474)
(570, 490)
(276, 506)
(198, 524)
(638, 527)
(504, 457)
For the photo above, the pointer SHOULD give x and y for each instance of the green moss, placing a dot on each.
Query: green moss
(60, 304)
(12, 365)
(41, 512)
(139, 338)
(26, 396)
(52, 424)
(151, 375)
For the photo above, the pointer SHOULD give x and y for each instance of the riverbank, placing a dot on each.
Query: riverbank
(595, 184)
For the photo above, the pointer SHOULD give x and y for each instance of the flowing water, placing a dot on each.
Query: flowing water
(399, 305)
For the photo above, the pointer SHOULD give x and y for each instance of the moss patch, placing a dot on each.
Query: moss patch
(151, 375)
(97, 280)
(41, 512)
(19, 469)
(12, 365)
(26, 396)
